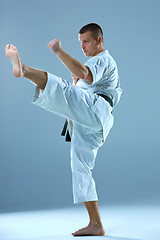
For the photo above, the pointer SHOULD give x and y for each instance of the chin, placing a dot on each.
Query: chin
(87, 54)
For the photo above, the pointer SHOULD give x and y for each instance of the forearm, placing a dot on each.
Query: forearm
(77, 68)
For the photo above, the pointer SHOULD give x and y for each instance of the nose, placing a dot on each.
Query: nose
(82, 46)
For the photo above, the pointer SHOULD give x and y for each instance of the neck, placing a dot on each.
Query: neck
(101, 49)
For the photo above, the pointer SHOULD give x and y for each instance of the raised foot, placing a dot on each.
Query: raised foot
(13, 56)
(90, 230)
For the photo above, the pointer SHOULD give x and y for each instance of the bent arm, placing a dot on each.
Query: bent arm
(77, 68)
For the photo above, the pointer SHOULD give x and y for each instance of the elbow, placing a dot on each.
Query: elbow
(88, 76)
(84, 74)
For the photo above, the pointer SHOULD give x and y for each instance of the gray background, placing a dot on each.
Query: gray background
(34, 159)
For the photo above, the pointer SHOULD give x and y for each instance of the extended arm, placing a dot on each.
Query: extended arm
(77, 68)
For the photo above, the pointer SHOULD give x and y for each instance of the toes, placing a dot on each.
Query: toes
(13, 47)
(7, 46)
(76, 233)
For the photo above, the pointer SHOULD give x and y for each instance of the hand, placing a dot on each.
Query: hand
(55, 46)
(75, 79)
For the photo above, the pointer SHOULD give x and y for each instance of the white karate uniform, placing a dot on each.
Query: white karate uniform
(91, 116)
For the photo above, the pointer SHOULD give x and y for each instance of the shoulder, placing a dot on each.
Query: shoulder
(101, 58)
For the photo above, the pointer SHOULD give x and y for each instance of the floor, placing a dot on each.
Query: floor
(120, 223)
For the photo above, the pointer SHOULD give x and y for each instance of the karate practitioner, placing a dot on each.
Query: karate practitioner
(87, 104)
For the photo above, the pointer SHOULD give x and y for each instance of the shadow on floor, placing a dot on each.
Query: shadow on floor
(119, 238)
(80, 237)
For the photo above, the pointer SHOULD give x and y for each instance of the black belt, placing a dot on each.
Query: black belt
(68, 138)
(108, 99)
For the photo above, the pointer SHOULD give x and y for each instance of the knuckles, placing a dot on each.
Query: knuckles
(55, 45)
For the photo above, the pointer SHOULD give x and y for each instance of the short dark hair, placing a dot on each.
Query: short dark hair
(95, 29)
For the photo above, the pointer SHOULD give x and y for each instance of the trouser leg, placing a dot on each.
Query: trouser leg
(64, 99)
(84, 147)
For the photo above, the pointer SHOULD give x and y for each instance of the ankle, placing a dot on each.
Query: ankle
(23, 68)
(95, 223)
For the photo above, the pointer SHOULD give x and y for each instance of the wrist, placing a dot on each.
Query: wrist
(59, 53)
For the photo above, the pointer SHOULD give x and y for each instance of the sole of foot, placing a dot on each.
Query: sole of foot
(13, 56)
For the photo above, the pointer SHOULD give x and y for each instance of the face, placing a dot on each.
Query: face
(89, 45)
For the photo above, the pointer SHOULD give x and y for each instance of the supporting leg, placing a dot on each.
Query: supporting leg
(93, 211)
(38, 77)
(95, 226)
(84, 147)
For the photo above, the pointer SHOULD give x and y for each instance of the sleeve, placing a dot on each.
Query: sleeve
(98, 68)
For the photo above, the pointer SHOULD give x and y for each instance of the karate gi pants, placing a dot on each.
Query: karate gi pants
(66, 100)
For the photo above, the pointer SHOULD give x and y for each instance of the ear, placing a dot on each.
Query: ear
(99, 40)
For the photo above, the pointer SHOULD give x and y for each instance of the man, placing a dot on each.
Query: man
(88, 102)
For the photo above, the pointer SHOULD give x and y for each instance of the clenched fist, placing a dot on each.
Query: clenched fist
(75, 79)
(55, 46)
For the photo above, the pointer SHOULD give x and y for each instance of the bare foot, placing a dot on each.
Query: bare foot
(90, 230)
(13, 56)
